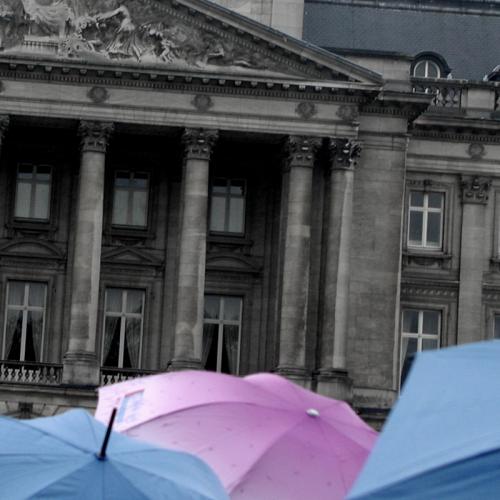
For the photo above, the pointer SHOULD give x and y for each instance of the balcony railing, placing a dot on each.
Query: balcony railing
(447, 94)
(20, 372)
(114, 375)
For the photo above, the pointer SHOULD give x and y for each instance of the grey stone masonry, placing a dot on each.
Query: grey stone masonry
(296, 215)
(80, 362)
(192, 248)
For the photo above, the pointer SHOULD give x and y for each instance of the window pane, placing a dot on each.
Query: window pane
(431, 322)
(23, 200)
(219, 186)
(429, 344)
(232, 308)
(13, 329)
(209, 354)
(410, 321)
(408, 351)
(140, 180)
(416, 226)
(435, 200)
(25, 172)
(434, 230)
(131, 353)
(120, 206)
(113, 300)
(419, 69)
(230, 349)
(43, 173)
(111, 348)
(34, 331)
(36, 295)
(42, 202)
(139, 208)
(212, 307)
(237, 187)
(134, 301)
(417, 199)
(236, 215)
(496, 331)
(217, 213)
(432, 70)
(16, 293)
(122, 179)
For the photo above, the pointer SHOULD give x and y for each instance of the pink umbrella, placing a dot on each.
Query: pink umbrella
(265, 437)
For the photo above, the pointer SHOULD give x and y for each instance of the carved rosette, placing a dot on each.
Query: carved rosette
(4, 125)
(95, 135)
(300, 151)
(344, 153)
(198, 143)
(475, 189)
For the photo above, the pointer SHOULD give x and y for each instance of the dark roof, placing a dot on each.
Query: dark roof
(468, 42)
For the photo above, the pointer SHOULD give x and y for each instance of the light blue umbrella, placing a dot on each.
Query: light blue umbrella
(442, 438)
(68, 456)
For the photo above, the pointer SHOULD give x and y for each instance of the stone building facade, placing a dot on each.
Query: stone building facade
(187, 188)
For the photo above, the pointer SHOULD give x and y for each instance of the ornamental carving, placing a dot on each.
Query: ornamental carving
(476, 151)
(98, 94)
(306, 110)
(202, 102)
(199, 143)
(125, 31)
(475, 189)
(95, 135)
(344, 153)
(301, 150)
(348, 113)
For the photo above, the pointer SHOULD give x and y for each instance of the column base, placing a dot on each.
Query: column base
(179, 364)
(81, 369)
(335, 384)
(299, 376)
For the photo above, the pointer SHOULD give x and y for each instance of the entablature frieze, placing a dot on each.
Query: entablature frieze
(429, 289)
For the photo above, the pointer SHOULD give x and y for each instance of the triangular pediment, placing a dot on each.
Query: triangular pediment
(187, 35)
(129, 255)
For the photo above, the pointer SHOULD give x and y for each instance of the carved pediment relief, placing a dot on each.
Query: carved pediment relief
(176, 34)
(31, 248)
(231, 262)
(130, 256)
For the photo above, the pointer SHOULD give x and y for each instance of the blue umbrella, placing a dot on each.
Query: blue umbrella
(59, 457)
(442, 438)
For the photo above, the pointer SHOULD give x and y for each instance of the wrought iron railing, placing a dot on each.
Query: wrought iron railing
(114, 375)
(447, 94)
(20, 372)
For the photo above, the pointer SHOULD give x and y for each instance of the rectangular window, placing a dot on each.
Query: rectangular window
(425, 220)
(24, 321)
(123, 324)
(130, 199)
(221, 333)
(496, 327)
(420, 332)
(227, 206)
(33, 185)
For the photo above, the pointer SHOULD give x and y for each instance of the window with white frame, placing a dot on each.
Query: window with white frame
(222, 333)
(421, 331)
(130, 199)
(33, 186)
(426, 68)
(227, 206)
(123, 326)
(24, 321)
(425, 220)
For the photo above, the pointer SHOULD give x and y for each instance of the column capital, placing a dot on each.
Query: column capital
(343, 153)
(95, 135)
(475, 189)
(300, 150)
(198, 143)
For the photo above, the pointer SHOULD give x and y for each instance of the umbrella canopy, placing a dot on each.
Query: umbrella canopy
(442, 438)
(57, 457)
(266, 438)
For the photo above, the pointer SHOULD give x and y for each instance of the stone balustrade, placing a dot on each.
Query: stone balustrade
(114, 375)
(19, 372)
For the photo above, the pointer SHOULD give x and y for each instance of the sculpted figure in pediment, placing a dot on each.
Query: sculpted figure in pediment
(137, 31)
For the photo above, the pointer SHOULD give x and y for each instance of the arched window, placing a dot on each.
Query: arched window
(426, 69)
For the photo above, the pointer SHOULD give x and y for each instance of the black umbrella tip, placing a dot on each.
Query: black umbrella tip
(102, 454)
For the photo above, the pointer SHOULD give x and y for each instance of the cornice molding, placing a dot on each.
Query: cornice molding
(454, 134)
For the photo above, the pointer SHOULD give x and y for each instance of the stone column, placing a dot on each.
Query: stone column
(192, 249)
(81, 366)
(4, 125)
(296, 216)
(470, 316)
(333, 378)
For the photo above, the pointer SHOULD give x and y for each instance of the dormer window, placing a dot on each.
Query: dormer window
(430, 65)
